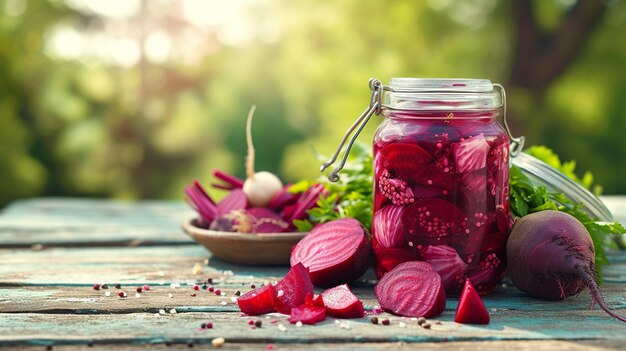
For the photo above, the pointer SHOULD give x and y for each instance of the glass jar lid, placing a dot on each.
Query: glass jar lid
(543, 174)
(451, 94)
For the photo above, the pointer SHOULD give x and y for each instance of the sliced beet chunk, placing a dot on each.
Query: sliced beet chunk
(446, 262)
(387, 227)
(471, 154)
(292, 290)
(258, 301)
(412, 289)
(387, 259)
(340, 302)
(435, 176)
(471, 309)
(405, 159)
(307, 314)
(434, 221)
(335, 252)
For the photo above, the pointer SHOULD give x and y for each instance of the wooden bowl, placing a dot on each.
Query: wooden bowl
(245, 248)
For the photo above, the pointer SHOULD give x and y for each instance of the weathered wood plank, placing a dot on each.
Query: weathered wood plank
(526, 345)
(85, 300)
(153, 266)
(41, 329)
(89, 222)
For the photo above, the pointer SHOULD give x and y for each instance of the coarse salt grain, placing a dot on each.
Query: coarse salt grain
(218, 342)
(173, 311)
(223, 303)
(337, 321)
(401, 324)
(280, 293)
(197, 269)
(282, 328)
(298, 324)
(170, 295)
(345, 325)
(137, 295)
(161, 311)
(108, 293)
(233, 299)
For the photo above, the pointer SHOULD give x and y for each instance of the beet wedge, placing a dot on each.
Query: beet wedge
(412, 289)
(258, 301)
(471, 309)
(292, 290)
(335, 252)
(307, 314)
(340, 302)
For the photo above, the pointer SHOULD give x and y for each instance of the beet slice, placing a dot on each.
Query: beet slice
(446, 262)
(387, 259)
(405, 159)
(340, 302)
(471, 154)
(434, 221)
(433, 175)
(258, 301)
(471, 309)
(412, 289)
(387, 227)
(311, 300)
(266, 220)
(335, 252)
(307, 314)
(291, 291)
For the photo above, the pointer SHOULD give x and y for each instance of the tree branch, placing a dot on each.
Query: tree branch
(541, 57)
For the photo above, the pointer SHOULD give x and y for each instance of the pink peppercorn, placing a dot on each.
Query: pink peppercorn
(96, 286)
(209, 325)
(193, 295)
(121, 294)
(146, 287)
(138, 289)
(251, 322)
(252, 286)
(195, 287)
(210, 289)
(218, 292)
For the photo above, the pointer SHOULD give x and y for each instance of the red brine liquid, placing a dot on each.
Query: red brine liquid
(442, 195)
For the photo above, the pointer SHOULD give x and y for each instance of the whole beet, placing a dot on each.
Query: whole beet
(550, 255)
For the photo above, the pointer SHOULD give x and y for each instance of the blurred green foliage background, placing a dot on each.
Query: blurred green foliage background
(135, 98)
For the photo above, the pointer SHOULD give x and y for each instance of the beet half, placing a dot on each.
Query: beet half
(335, 252)
(412, 289)
(551, 255)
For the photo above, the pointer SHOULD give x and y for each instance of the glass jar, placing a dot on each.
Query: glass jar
(441, 187)
(441, 169)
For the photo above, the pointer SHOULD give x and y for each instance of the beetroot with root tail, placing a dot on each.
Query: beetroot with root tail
(335, 252)
(412, 289)
(340, 302)
(471, 309)
(551, 255)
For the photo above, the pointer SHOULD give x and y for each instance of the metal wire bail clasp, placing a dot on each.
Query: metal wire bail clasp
(374, 107)
(517, 144)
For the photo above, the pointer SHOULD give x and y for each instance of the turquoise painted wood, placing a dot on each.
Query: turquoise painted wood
(46, 294)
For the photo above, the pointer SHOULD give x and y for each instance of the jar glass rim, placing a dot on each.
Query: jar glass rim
(441, 94)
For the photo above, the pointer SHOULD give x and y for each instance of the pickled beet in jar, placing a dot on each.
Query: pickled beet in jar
(441, 187)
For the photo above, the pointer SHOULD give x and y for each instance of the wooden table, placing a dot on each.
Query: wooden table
(52, 251)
